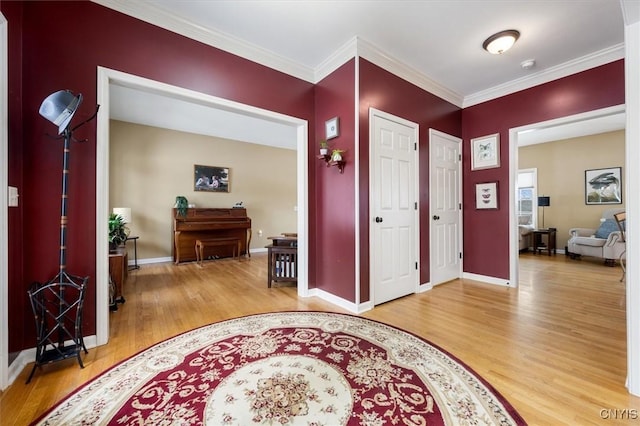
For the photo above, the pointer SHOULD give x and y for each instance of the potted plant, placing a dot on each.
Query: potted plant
(181, 205)
(118, 231)
(324, 147)
(336, 154)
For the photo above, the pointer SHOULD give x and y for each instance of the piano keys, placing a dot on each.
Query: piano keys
(205, 223)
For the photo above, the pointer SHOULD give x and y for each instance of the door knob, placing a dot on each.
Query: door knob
(436, 217)
(378, 219)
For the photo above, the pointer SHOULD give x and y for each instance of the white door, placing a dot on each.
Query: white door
(445, 169)
(394, 215)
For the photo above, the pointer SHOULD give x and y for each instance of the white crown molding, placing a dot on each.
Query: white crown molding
(377, 56)
(630, 11)
(147, 12)
(584, 63)
(345, 53)
(364, 49)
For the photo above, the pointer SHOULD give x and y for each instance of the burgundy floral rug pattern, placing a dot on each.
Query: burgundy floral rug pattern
(289, 368)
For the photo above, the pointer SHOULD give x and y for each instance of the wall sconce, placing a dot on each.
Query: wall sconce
(334, 159)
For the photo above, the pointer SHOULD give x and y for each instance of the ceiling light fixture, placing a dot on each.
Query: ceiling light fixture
(501, 42)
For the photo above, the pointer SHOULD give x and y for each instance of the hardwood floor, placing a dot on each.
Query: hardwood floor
(555, 347)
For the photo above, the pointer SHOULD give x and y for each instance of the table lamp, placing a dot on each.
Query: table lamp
(124, 213)
(543, 202)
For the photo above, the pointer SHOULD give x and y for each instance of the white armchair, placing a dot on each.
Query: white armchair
(605, 242)
(524, 232)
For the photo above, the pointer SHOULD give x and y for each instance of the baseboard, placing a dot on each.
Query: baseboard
(152, 260)
(355, 308)
(487, 279)
(424, 287)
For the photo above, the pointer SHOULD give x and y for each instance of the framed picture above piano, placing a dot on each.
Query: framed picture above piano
(211, 178)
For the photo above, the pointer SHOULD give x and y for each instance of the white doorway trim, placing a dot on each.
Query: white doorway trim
(630, 174)
(4, 224)
(513, 173)
(106, 77)
(632, 177)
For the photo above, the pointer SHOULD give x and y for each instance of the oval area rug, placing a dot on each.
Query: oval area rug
(288, 368)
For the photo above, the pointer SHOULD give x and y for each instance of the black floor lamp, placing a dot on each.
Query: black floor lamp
(543, 202)
(57, 304)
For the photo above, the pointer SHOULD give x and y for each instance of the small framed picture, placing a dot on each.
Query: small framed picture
(487, 196)
(210, 178)
(603, 186)
(331, 128)
(485, 152)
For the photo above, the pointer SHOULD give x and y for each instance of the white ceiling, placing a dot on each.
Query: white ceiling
(439, 42)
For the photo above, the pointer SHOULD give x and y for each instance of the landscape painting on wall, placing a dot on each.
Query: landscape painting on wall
(211, 178)
(603, 186)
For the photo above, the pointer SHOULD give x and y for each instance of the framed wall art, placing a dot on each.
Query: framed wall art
(211, 178)
(487, 196)
(331, 128)
(485, 152)
(603, 186)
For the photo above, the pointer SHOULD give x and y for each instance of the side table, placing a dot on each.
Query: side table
(118, 272)
(283, 259)
(539, 246)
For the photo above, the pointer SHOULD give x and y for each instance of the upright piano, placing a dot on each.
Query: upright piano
(204, 223)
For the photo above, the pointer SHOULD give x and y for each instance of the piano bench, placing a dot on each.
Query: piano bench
(232, 242)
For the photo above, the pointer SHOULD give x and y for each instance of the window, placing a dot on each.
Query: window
(527, 192)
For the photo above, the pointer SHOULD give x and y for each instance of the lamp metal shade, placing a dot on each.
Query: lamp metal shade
(124, 213)
(59, 108)
(544, 201)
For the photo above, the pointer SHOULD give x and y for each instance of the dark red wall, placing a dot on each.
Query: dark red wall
(386, 92)
(335, 192)
(63, 43)
(486, 236)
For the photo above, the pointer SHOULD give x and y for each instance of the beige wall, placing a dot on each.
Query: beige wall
(561, 175)
(149, 167)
